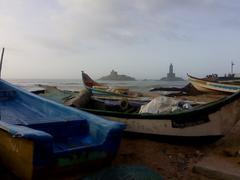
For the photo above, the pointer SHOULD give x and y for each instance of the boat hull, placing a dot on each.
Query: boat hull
(19, 157)
(213, 87)
(215, 119)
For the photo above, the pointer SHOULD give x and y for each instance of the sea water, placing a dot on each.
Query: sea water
(77, 84)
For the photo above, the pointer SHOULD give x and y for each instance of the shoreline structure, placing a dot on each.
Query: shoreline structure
(171, 75)
(114, 76)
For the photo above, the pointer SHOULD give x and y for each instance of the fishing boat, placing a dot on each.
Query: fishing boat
(104, 90)
(208, 86)
(230, 78)
(40, 137)
(212, 120)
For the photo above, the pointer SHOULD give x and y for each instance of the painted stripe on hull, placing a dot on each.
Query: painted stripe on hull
(211, 87)
(206, 86)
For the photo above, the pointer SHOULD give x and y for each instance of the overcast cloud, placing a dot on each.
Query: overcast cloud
(59, 38)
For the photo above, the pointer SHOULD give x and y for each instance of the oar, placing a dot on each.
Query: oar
(1, 62)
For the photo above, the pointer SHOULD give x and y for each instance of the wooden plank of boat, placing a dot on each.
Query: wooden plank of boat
(214, 119)
(40, 137)
(213, 87)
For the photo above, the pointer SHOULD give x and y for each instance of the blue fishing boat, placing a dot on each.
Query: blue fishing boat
(40, 137)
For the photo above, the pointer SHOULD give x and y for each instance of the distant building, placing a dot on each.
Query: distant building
(171, 75)
(114, 76)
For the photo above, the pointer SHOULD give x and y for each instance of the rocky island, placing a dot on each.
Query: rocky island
(114, 76)
(171, 75)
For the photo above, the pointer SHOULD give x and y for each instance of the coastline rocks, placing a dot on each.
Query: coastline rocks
(114, 76)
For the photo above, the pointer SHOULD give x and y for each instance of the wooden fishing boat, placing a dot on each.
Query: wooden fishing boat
(212, 120)
(213, 87)
(209, 120)
(104, 90)
(230, 78)
(40, 137)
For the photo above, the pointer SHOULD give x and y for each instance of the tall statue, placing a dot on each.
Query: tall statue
(171, 69)
(171, 75)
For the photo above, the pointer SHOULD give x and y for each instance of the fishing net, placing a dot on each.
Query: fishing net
(57, 95)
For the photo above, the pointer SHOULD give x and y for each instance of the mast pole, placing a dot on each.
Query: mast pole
(1, 62)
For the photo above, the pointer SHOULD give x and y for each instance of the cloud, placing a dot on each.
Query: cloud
(73, 23)
(130, 21)
(72, 28)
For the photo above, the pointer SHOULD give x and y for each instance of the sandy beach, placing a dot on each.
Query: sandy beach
(170, 158)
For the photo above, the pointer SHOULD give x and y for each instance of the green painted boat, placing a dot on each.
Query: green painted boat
(207, 120)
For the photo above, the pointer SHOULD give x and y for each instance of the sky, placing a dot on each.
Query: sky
(56, 39)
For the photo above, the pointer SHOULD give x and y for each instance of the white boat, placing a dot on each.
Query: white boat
(211, 86)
